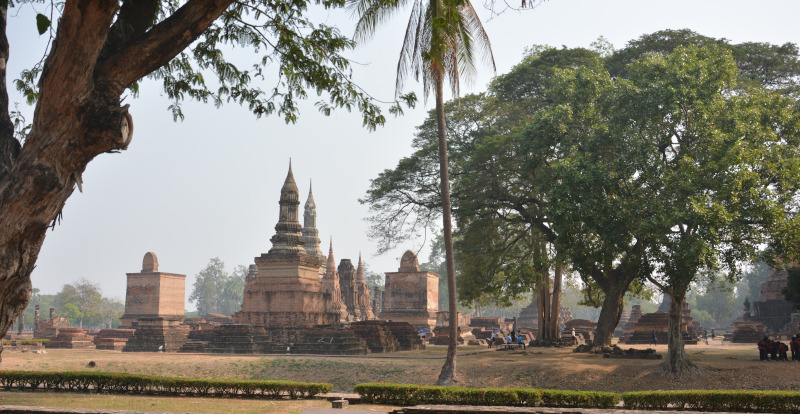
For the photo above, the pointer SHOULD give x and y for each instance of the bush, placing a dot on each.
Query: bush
(700, 400)
(26, 341)
(411, 394)
(146, 384)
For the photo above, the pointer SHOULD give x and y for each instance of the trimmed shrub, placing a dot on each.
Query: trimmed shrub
(411, 394)
(715, 400)
(147, 384)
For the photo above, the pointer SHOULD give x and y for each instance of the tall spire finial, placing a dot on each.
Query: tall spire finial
(288, 236)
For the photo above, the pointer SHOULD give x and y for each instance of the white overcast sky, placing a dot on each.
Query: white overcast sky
(209, 186)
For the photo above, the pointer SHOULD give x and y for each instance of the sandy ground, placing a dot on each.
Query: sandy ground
(734, 366)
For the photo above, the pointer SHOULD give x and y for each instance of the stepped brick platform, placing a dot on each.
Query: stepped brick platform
(157, 334)
(487, 322)
(249, 339)
(70, 338)
(379, 338)
(441, 336)
(748, 332)
(658, 321)
(584, 329)
(407, 336)
(112, 339)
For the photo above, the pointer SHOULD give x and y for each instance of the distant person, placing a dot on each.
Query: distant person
(705, 334)
(521, 341)
(794, 345)
(773, 350)
(508, 338)
(712, 333)
(491, 340)
(513, 336)
(763, 349)
(782, 348)
(655, 339)
(573, 332)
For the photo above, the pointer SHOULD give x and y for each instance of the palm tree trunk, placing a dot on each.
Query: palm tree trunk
(448, 374)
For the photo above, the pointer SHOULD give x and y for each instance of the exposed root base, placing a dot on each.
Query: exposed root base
(685, 368)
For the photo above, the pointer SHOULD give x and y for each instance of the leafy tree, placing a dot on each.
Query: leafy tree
(72, 312)
(102, 48)
(441, 40)
(216, 291)
(87, 299)
(719, 301)
(792, 290)
(714, 156)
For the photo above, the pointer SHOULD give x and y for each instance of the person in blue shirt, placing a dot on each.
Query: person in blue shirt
(520, 341)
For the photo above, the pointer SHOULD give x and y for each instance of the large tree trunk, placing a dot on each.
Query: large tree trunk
(555, 308)
(676, 363)
(77, 117)
(448, 374)
(609, 317)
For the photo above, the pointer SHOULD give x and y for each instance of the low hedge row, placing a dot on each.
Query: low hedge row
(731, 401)
(411, 394)
(147, 384)
(26, 341)
(696, 400)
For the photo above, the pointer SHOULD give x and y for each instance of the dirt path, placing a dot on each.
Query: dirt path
(723, 367)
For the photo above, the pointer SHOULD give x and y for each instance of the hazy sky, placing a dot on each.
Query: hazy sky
(209, 186)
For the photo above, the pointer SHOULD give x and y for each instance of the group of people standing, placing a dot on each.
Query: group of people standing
(776, 350)
(513, 337)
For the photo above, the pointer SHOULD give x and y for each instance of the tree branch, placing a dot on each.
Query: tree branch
(9, 146)
(162, 43)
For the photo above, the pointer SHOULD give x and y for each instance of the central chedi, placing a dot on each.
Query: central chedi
(287, 292)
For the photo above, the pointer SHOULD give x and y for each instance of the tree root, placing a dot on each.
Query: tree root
(683, 368)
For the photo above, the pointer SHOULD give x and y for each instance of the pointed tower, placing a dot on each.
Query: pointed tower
(285, 290)
(362, 290)
(331, 283)
(310, 232)
(288, 236)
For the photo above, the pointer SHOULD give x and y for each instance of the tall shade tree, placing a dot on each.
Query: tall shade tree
(102, 48)
(441, 41)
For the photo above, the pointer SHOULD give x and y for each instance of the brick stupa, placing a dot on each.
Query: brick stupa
(153, 294)
(287, 292)
(412, 295)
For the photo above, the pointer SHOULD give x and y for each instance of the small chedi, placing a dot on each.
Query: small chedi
(154, 307)
(153, 294)
(659, 322)
(629, 326)
(412, 295)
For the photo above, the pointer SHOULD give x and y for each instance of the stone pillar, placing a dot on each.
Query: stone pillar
(52, 313)
(21, 323)
(36, 318)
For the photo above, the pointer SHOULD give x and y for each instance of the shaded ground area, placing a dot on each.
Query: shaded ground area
(723, 367)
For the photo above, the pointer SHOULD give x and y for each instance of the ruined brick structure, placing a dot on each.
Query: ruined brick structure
(286, 291)
(659, 322)
(157, 334)
(411, 295)
(310, 232)
(153, 294)
(363, 300)
(330, 281)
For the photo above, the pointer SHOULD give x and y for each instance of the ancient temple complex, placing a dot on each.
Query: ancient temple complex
(310, 232)
(411, 295)
(330, 281)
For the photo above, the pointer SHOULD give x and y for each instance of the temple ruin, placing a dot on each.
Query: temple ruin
(412, 295)
(153, 294)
